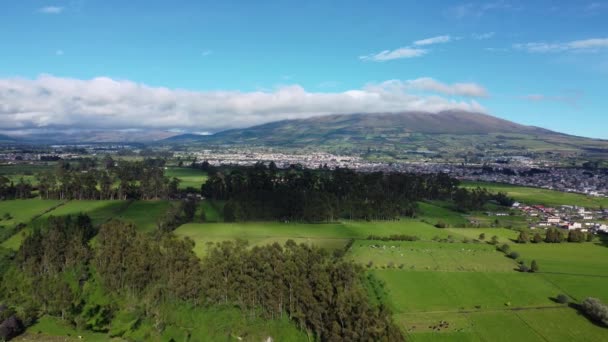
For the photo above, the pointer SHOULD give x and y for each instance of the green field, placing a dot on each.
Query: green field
(22, 211)
(330, 235)
(435, 256)
(99, 211)
(542, 196)
(26, 171)
(144, 214)
(454, 289)
(188, 177)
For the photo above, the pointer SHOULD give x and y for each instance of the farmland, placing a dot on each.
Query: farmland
(189, 177)
(542, 196)
(444, 286)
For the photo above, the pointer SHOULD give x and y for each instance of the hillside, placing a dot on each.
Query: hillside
(408, 132)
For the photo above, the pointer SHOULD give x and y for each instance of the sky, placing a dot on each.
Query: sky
(205, 66)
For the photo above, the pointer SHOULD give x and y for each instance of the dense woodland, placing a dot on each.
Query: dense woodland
(265, 193)
(87, 179)
(57, 272)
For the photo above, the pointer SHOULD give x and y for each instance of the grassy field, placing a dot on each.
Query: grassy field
(330, 235)
(26, 171)
(22, 211)
(452, 291)
(144, 214)
(99, 211)
(188, 177)
(542, 196)
(435, 256)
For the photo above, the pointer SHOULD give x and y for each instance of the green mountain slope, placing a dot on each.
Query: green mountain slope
(452, 132)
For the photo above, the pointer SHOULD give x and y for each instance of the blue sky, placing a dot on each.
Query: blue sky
(205, 66)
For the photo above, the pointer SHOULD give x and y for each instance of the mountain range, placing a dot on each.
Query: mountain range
(449, 132)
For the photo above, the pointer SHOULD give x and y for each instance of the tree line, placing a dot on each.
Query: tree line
(57, 272)
(112, 180)
(266, 193)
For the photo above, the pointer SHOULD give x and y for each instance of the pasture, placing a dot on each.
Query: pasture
(438, 290)
(329, 235)
(530, 195)
(144, 214)
(189, 178)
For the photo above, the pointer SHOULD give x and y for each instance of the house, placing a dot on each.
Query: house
(554, 220)
(574, 225)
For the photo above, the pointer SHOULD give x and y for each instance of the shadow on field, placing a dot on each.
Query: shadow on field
(603, 240)
(581, 312)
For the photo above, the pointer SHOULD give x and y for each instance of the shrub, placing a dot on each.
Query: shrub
(514, 255)
(524, 268)
(505, 248)
(596, 310)
(562, 299)
(534, 266)
(442, 224)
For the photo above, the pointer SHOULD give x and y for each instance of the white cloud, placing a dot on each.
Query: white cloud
(104, 103)
(483, 36)
(51, 10)
(206, 53)
(433, 40)
(591, 44)
(478, 10)
(572, 98)
(387, 55)
(459, 89)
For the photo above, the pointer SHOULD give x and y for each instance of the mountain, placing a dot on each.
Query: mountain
(93, 136)
(450, 132)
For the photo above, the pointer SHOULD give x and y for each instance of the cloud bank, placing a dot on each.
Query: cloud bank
(51, 10)
(591, 44)
(104, 103)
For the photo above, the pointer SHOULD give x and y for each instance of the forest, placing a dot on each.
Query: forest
(90, 179)
(57, 272)
(266, 193)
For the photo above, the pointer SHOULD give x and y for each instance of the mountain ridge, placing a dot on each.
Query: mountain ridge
(443, 132)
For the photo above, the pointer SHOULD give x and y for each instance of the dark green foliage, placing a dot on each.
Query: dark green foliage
(116, 180)
(482, 236)
(595, 310)
(523, 237)
(9, 190)
(534, 266)
(505, 248)
(523, 268)
(576, 236)
(494, 240)
(514, 255)
(562, 299)
(554, 235)
(589, 237)
(321, 294)
(260, 192)
(537, 238)
(176, 215)
(395, 237)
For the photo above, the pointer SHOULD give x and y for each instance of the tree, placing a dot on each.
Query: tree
(562, 299)
(523, 237)
(494, 240)
(596, 310)
(513, 255)
(505, 248)
(576, 236)
(589, 237)
(537, 238)
(534, 266)
(482, 236)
